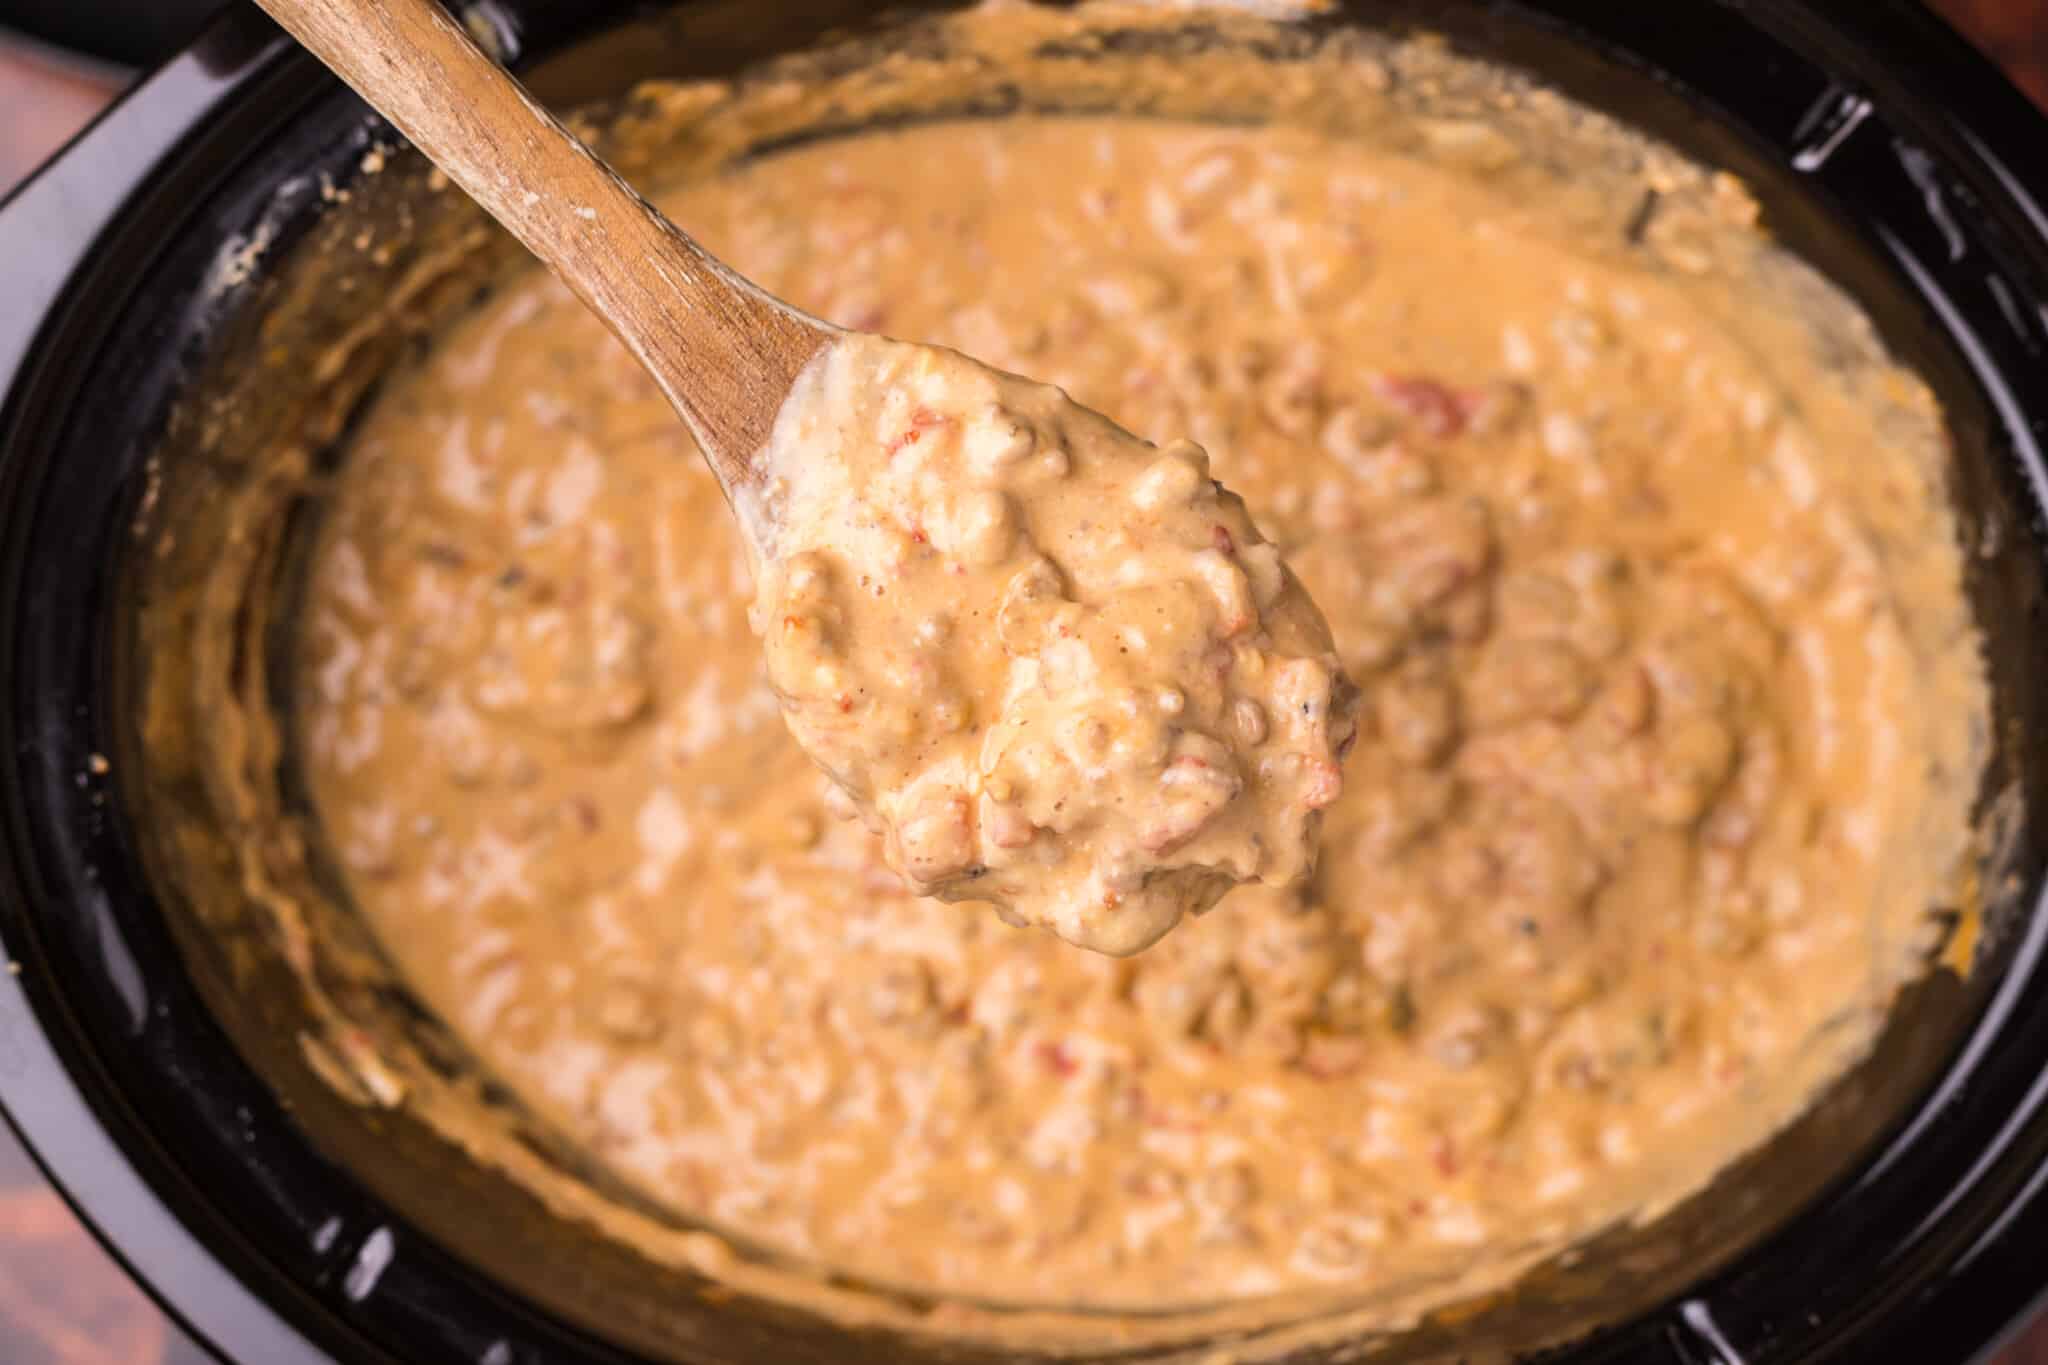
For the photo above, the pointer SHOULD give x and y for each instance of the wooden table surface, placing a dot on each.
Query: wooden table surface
(62, 1300)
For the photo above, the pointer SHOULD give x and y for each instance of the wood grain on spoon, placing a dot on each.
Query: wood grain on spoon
(724, 352)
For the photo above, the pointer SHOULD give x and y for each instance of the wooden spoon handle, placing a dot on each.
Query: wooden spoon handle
(724, 351)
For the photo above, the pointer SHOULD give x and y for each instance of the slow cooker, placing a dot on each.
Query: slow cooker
(154, 1061)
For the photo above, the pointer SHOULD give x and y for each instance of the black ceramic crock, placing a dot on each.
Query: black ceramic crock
(1905, 1220)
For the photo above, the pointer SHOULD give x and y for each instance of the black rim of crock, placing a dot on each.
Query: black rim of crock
(260, 1271)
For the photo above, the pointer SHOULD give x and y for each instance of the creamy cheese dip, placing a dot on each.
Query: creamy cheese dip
(1055, 666)
(1669, 711)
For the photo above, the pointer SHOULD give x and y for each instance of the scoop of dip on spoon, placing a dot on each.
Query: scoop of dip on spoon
(1054, 665)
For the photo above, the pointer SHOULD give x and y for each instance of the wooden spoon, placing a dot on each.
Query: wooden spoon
(728, 356)
(723, 350)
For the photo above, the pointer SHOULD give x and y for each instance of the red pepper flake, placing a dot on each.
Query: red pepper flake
(1220, 535)
(1057, 1059)
(845, 703)
(1169, 1120)
(921, 421)
(1322, 783)
(584, 812)
(1445, 1156)
(918, 537)
(1436, 409)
